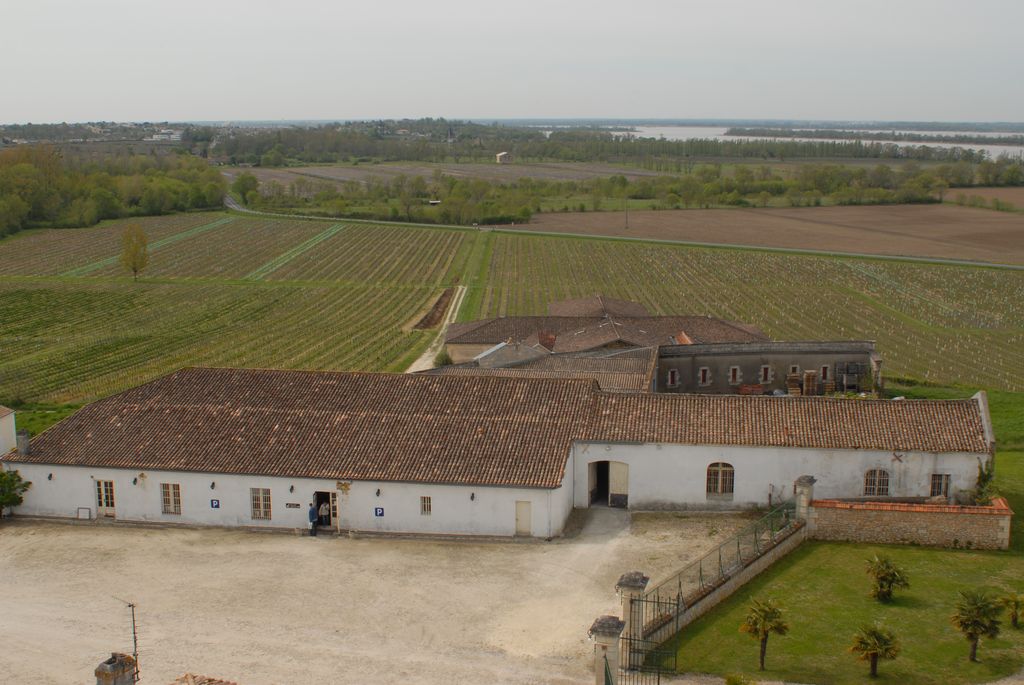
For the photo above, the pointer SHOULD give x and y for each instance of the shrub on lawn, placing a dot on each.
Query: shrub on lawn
(976, 617)
(888, 577)
(1014, 604)
(763, 619)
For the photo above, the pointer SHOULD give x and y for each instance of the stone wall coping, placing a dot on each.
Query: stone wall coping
(634, 580)
(607, 625)
(999, 507)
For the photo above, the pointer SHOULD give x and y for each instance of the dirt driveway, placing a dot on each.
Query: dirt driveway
(264, 608)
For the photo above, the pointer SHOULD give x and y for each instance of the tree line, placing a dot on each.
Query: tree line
(450, 200)
(437, 140)
(895, 136)
(41, 186)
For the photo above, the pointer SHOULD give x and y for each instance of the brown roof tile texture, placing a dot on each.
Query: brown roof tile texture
(458, 430)
(813, 422)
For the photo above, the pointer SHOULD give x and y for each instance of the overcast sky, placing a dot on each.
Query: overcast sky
(85, 60)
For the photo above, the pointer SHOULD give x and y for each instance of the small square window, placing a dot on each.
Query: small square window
(424, 506)
(794, 368)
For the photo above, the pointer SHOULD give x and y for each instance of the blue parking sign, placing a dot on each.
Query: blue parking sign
(215, 504)
(378, 511)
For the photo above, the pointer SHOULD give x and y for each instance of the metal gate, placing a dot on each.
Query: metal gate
(641, 660)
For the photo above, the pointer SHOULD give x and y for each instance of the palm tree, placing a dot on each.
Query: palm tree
(976, 617)
(872, 643)
(1013, 603)
(888, 577)
(763, 619)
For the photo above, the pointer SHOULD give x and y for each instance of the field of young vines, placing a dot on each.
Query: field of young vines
(218, 291)
(245, 291)
(935, 323)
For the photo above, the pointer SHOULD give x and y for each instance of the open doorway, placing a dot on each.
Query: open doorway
(327, 509)
(609, 484)
(599, 483)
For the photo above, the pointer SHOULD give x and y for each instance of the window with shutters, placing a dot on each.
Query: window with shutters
(170, 494)
(260, 503)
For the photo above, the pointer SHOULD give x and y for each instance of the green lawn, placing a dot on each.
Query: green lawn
(823, 588)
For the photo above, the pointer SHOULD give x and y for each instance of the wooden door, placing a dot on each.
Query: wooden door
(105, 498)
(334, 511)
(524, 515)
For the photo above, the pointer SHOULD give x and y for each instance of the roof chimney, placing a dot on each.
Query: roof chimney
(22, 440)
(119, 669)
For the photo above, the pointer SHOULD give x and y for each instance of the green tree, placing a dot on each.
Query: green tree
(1014, 604)
(871, 643)
(763, 619)
(245, 183)
(12, 487)
(134, 251)
(977, 616)
(887, 576)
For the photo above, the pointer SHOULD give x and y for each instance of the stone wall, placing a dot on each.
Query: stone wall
(939, 525)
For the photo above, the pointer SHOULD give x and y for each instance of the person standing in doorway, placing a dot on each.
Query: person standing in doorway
(312, 519)
(325, 514)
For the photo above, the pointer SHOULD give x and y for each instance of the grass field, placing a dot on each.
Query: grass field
(943, 324)
(219, 290)
(823, 588)
(247, 291)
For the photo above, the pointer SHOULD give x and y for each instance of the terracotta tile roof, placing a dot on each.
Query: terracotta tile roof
(359, 426)
(597, 305)
(478, 430)
(630, 370)
(814, 422)
(998, 507)
(574, 334)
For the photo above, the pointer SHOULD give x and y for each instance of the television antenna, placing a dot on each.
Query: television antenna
(135, 637)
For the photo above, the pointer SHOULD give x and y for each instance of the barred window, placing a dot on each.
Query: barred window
(260, 503)
(170, 494)
(721, 478)
(876, 483)
(940, 485)
(424, 506)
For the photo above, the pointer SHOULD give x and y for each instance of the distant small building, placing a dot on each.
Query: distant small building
(503, 158)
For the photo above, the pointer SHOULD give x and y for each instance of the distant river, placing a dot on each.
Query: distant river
(718, 133)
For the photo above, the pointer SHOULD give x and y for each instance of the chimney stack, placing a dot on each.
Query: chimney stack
(119, 669)
(22, 440)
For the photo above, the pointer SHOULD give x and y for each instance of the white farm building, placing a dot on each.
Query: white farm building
(474, 455)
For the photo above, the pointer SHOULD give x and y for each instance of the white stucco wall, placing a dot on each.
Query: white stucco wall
(491, 511)
(8, 439)
(664, 476)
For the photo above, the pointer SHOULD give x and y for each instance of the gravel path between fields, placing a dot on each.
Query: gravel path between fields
(264, 608)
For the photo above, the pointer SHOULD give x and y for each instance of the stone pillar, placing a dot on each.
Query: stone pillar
(119, 669)
(606, 633)
(631, 586)
(804, 490)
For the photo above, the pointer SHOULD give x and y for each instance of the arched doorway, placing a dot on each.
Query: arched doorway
(608, 483)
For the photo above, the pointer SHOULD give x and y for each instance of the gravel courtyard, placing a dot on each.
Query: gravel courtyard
(265, 608)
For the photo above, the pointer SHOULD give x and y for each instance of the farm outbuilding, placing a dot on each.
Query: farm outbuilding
(471, 455)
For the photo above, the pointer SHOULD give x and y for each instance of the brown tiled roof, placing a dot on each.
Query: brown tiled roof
(574, 334)
(479, 430)
(359, 426)
(629, 370)
(815, 422)
(4, 411)
(597, 305)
